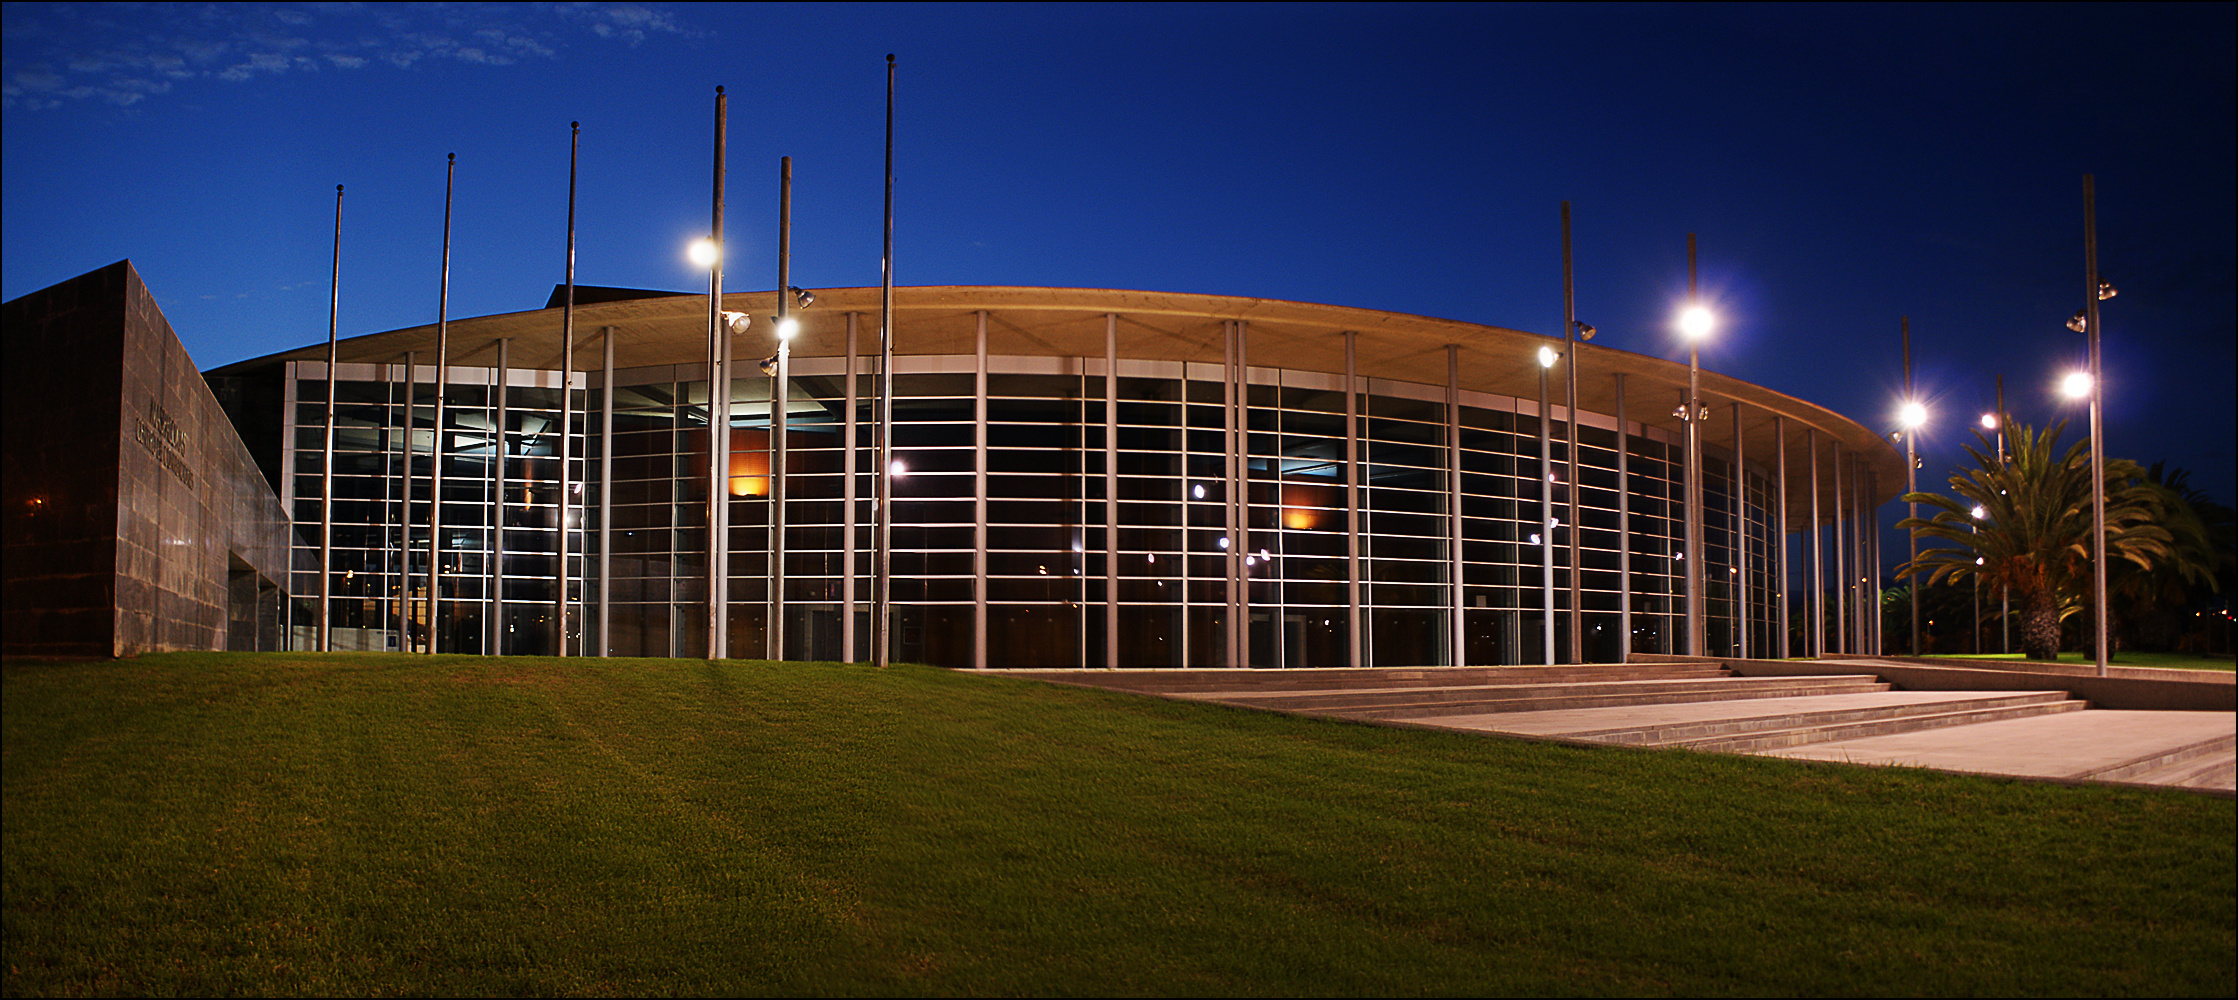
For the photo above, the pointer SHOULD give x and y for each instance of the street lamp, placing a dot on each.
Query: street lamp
(2095, 291)
(779, 405)
(1979, 513)
(1694, 324)
(1913, 415)
(2076, 385)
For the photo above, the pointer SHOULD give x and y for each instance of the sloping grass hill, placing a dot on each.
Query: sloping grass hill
(374, 824)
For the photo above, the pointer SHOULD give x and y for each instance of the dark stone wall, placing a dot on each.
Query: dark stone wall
(136, 520)
(61, 366)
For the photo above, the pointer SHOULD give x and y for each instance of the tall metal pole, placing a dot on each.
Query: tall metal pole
(567, 404)
(1697, 627)
(2097, 427)
(1911, 480)
(1546, 516)
(1569, 369)
(1872, 629)
(435, 449)
(326, 456)
(2004, 596)
(718, 422)
(882, 513)
(778, 403)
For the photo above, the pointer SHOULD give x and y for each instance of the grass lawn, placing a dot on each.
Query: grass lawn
(2125, 658)
(373, 823)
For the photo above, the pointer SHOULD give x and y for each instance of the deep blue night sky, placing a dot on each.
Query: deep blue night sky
(1843, 167)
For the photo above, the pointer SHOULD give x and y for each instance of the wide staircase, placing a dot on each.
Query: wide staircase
(1698, 705)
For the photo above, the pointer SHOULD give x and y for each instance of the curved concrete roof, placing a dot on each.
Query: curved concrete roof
(668, 329)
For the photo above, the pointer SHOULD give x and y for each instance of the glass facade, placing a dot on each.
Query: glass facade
(1047, 512)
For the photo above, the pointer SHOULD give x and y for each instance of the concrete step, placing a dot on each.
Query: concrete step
(2178, 760)
(1612, 696)
(1200, 681)
(2216, 770)
(1681, 733)
(1370, 696)
(1802, 735)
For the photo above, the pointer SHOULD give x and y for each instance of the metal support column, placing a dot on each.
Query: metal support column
(1779, 501)
(502, 390)
(1110, 491)
(979, 495)
(1457, 630)
(1623, 527)
(1355, 654)
(1842, 586)
(606, 495)
(847, 507)
(1740, 572)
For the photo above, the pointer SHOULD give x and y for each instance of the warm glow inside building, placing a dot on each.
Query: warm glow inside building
(1083, 478)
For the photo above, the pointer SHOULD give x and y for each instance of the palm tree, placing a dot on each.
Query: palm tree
(2033, 535)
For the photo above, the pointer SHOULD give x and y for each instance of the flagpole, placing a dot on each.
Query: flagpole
(718, 420)
(442, 389)
(882, 537)
(567, 399)
(326, 458)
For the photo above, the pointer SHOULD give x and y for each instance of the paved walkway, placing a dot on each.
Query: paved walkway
(1963, 731)
(2187, 749)
(2095, 745)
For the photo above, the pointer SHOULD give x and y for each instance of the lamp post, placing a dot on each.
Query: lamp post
(1978, 563)
(882, 510)
(2094, 290)
(2004, 595)
(709, 253)
(1695, 324)
(1571, 331)
(780, 389)
(1996, 422)
(1912, 416)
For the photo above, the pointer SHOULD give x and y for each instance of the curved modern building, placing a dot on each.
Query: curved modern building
(1082, 477)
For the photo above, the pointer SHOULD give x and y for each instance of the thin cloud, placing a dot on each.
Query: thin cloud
(57, 54)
